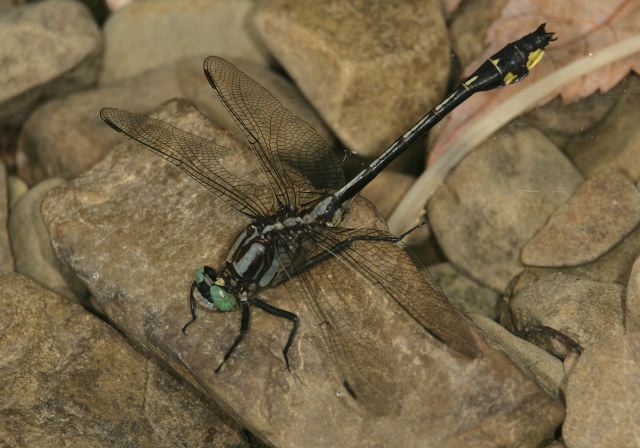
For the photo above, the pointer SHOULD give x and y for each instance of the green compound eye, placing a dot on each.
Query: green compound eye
(200, 275)
(222, 299)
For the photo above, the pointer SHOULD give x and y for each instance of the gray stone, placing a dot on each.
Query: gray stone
(584, 310)
(135, 228)
(602, 211)
(16, 188)
(547, 370)
(68, 379)
(32, 248)
(147, 34)
(371, 69)
(632, 299)
(47, 49)
(469, 27)
(6, 256)
(613, 266)
(614, 142)
(386, 190)
(65, 137)
(602, 395)
(464, 293)
(496, 199)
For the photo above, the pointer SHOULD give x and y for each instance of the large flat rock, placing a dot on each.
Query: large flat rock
(135, 229)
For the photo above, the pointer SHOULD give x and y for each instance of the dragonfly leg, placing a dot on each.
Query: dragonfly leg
(345, 244)
(244, 326)
(278, 312)
(192, 305)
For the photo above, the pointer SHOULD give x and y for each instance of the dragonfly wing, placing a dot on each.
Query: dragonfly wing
(200, 158)
(374, 254)
(290, 151)
(353, 330)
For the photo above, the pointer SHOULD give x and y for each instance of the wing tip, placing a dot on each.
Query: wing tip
(106, 114)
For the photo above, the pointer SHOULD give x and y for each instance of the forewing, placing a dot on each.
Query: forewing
(390, 267)
(292, 154)
(200, 158)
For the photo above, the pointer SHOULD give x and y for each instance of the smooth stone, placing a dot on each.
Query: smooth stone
(16, 188)
(602, 395)
(602, 211)
(385, 64)
(496, 199)
(135, 228)
(65, 137)
(468, 28)
(464, 293)
(614, 142)
(6, 255)
(614, 266)
(632, 299)
(547, 370)
(386, 190)
(48, 49)
(69, 379)
(584, 310)
(32, 249)
(147, 34)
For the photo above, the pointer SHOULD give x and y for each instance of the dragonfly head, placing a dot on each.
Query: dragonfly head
(213, 290)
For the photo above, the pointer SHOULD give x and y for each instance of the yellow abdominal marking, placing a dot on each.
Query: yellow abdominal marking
(509, 78)
(219, 282)
(534, 58)
(470, 81)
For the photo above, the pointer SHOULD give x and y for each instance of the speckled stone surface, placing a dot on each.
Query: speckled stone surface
(69, 379)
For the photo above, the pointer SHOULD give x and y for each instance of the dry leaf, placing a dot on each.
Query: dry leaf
(583, 28)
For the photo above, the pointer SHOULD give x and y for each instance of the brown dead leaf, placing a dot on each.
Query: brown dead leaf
(583, 28)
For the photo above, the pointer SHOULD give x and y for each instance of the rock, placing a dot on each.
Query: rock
(48, 49)
(68, 379)
(582, 309)
(547, 370)
(496, 199)
(66, 137)
(386, 190)
(32, 248)
(469, 26)
(632, 299)
(602, 395)
(567, 120)
(147, 34)
(555, 444)
(613, 266)
(602, 211)
(385, 64)
(615, 142)
(464, 293)
(6, 256)
(16, 188)
(135, 228)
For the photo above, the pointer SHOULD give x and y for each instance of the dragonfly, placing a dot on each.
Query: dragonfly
(294, 212)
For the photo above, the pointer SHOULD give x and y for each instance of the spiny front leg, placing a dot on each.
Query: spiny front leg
(244, 327)
(278, 312)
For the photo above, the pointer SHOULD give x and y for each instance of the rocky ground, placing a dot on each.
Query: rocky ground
(534, 236)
